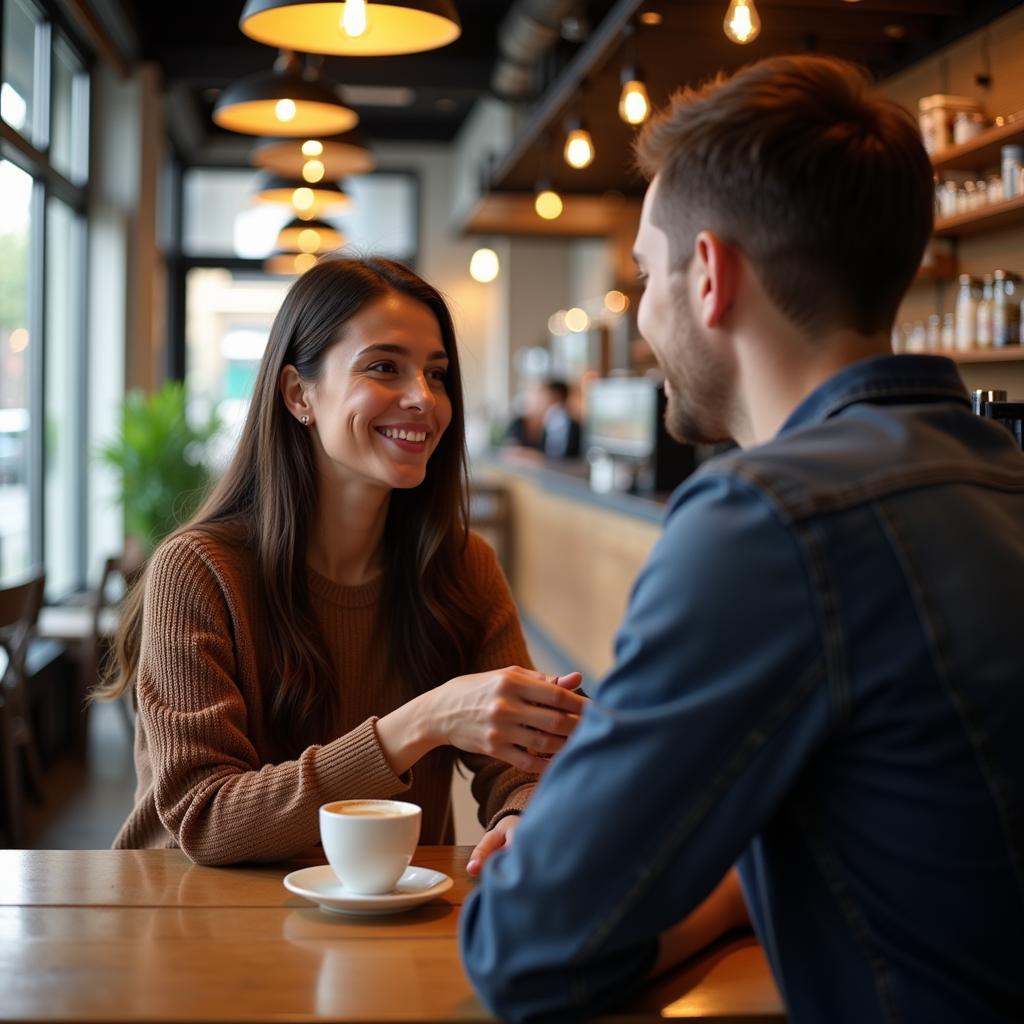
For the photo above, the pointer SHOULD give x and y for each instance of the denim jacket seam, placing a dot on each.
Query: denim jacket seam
(832, 877)
(1011, 822)
(833, 636)
(752, 742)
(842, 498)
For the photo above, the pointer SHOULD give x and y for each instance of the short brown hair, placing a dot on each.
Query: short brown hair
(823, 183)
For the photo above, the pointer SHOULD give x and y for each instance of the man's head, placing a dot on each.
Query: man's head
(821, 185)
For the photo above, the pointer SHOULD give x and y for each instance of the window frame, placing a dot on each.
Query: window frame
(32, 155)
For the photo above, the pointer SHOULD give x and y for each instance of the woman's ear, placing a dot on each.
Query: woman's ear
(295, 394)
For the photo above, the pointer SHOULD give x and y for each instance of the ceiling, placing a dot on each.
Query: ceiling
(200, 49)
(423, 97)
(689, 46)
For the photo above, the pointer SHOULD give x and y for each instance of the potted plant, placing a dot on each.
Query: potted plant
(159, 457)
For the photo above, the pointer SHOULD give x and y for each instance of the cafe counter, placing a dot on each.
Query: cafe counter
(571, 554)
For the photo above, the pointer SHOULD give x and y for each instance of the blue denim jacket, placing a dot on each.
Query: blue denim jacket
(820, 677)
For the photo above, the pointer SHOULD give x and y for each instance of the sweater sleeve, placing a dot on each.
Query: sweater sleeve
(499, 788)
(214, 795)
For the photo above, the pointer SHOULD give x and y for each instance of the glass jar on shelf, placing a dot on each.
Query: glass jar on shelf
(1005, 309)
(947, 334)
(983, 314)
(966, 312)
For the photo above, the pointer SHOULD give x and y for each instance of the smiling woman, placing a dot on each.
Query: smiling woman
(307, 636)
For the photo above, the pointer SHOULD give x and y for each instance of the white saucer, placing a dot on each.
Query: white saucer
(320, 885)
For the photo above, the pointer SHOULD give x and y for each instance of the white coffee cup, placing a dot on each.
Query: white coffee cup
(369, 843)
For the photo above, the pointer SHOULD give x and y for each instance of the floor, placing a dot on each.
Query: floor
(87, 801)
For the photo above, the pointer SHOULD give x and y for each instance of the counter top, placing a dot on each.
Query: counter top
(568, 478)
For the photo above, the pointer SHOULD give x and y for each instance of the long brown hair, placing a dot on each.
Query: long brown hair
(268, 494)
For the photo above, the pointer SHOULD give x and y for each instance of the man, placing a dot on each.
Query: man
(820, 677)
(560, 438)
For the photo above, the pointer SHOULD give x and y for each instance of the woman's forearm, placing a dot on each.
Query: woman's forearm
(406, 734)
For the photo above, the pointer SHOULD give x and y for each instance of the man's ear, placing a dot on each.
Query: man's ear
(717, 267)
(294, 392)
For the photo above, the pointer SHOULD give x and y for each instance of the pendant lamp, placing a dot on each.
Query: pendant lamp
(354, 28)
(291, 264)
(340, 155)
(308, 201)
(284, 101)
(314, 236)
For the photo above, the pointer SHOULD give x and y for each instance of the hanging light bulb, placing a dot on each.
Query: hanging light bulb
(742, 22)
(484, 265)
(634, 103)
(579, 146)
(548, 203)
(285, 110)
(359, 28)
(353, 19)
(313, 171)
(312, 147)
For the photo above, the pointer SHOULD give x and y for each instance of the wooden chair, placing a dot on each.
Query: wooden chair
(120, 573)
(19, 610)
(490, 514)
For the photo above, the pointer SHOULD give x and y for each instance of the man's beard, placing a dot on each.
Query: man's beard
(699, 401)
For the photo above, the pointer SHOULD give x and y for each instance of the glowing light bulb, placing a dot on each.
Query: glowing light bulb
(579, 148)
(634, 103)
(615, 301)
(548, 204)
(18, 340)
(576, 319)
(312, 171)
(556, 324)
(284, 110)
(353, 18)
(742, 23)
(312, 147)
(303, 199)
(484, 266)
(309, 239)
(303, 261)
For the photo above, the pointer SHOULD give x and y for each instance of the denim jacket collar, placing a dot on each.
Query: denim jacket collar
(881, 379)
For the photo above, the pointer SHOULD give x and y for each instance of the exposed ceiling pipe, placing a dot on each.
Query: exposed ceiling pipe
(527, 32)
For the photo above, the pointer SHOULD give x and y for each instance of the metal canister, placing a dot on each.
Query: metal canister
(983, 395)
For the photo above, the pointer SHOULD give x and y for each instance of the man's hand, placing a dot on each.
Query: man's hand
(496, 839)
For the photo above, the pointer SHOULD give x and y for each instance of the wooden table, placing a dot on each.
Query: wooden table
(147, 936)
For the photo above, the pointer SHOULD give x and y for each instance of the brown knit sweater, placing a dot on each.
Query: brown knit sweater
(202, 755)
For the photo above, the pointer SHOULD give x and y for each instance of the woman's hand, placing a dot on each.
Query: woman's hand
(513, 714)
(494, 839)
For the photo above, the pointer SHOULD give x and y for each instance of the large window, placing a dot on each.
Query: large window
(15, 356)
(44, 120)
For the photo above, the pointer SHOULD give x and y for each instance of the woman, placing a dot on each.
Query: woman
(288, 642)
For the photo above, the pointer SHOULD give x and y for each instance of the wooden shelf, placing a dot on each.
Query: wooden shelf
(988, 218)
(1009, 354)
(981, 153)
(942, 268)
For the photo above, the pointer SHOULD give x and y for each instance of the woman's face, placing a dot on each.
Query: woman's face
(380, 406)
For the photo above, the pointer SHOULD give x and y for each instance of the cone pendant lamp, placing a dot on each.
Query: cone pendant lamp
(355, 28)
(284, 101)
(339, 155)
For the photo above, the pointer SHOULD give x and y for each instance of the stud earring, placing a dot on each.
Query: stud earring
(304, 420)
